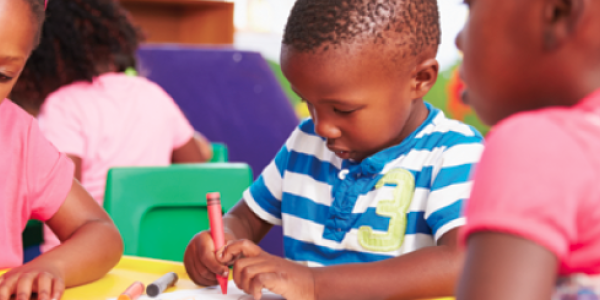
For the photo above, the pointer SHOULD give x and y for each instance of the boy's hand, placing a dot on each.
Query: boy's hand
(46, 281)
(200, 261)
(254, 269)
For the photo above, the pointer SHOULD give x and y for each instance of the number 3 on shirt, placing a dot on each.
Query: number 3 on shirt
(395, 209)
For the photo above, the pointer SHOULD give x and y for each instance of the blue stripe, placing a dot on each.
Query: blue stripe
(452, 175)
(306, 209)
(307, 126)
(309, 165)
(264, 198)
(301, 251)
(445, 215)
(281, 160)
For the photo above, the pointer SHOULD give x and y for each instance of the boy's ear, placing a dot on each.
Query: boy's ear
(561, 18)
(425, 76)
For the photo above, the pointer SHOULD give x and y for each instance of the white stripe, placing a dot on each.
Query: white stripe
(446, 125)
(311, 232)
(302, 142)
(307, 187)
(462, 154)
(417, 159)
(372, 198)
(445, 196)
(273, 180)
(449, 226)
(261, 213)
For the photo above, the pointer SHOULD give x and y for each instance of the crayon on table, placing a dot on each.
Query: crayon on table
(161, 284)
(215, 218)
(132, 292)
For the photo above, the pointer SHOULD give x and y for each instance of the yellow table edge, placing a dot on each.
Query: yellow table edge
(131, 269)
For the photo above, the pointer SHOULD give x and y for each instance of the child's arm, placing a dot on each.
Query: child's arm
(197, 149)
(502, 266)
(239, 223)
(427, 273)
(91, 247)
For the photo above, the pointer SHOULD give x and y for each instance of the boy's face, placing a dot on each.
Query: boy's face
(16, 42)
(357, 103)
(501, 68)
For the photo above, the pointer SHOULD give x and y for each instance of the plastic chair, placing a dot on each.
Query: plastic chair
(159, 209)
(220, 153)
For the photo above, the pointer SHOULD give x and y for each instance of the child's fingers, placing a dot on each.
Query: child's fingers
(264, 280)
(7, 286)
(256, 287)
(243, 248)
(25, 285)
(58, 288)
(246, 269)
(44, 286)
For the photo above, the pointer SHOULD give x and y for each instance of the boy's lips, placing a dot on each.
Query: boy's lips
(341, 153)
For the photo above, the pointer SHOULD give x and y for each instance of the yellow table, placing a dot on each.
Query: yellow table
(128, 270)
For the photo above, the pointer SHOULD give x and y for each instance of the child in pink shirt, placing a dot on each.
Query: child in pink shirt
(89, 109)
(37, 182)
(532, 69)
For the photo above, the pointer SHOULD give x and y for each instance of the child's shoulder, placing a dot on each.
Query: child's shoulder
(439, 130)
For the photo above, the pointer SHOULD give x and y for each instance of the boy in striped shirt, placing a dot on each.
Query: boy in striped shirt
(369, 190)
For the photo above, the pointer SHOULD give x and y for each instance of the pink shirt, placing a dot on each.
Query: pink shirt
(117, 120)
(539, 178)
(35, 180)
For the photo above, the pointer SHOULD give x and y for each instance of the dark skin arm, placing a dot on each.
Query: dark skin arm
(196, 150)
(503, 266)
(91, 246)
(257, 269)
(427, 273)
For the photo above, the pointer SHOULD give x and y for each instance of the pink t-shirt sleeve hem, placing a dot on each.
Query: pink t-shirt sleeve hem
(60, 191)
(518, 226)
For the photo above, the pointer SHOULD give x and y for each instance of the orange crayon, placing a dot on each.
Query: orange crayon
(132, 292)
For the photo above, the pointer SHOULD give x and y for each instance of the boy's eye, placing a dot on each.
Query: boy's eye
(344, 112)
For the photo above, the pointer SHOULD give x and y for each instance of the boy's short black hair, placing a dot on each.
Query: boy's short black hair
(411, 25)
(80, 39)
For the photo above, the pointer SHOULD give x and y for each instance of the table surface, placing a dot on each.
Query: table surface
(128, 270)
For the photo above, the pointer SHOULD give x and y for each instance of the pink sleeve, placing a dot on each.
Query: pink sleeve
(60, 123)
(528, 183)
(49, 175)
(182, 130)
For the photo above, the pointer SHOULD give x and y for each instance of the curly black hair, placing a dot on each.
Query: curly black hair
(410, 24)
(80, 40)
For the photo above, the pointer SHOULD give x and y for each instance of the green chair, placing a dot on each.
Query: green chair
(159, 209)
(220, 153)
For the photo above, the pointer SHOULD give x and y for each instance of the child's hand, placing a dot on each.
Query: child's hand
(254, 269)
(22, 281)
(200, 261)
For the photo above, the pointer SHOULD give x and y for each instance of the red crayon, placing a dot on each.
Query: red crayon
(213, 204)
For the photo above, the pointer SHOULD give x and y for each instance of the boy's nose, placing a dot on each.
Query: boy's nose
(327, 130)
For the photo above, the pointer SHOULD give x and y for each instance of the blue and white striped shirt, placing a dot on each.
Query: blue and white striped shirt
(396, 201)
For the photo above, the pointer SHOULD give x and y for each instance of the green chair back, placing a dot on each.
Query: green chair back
(220, 153)
(159, 209)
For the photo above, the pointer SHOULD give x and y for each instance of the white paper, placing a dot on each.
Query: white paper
(210, 293)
